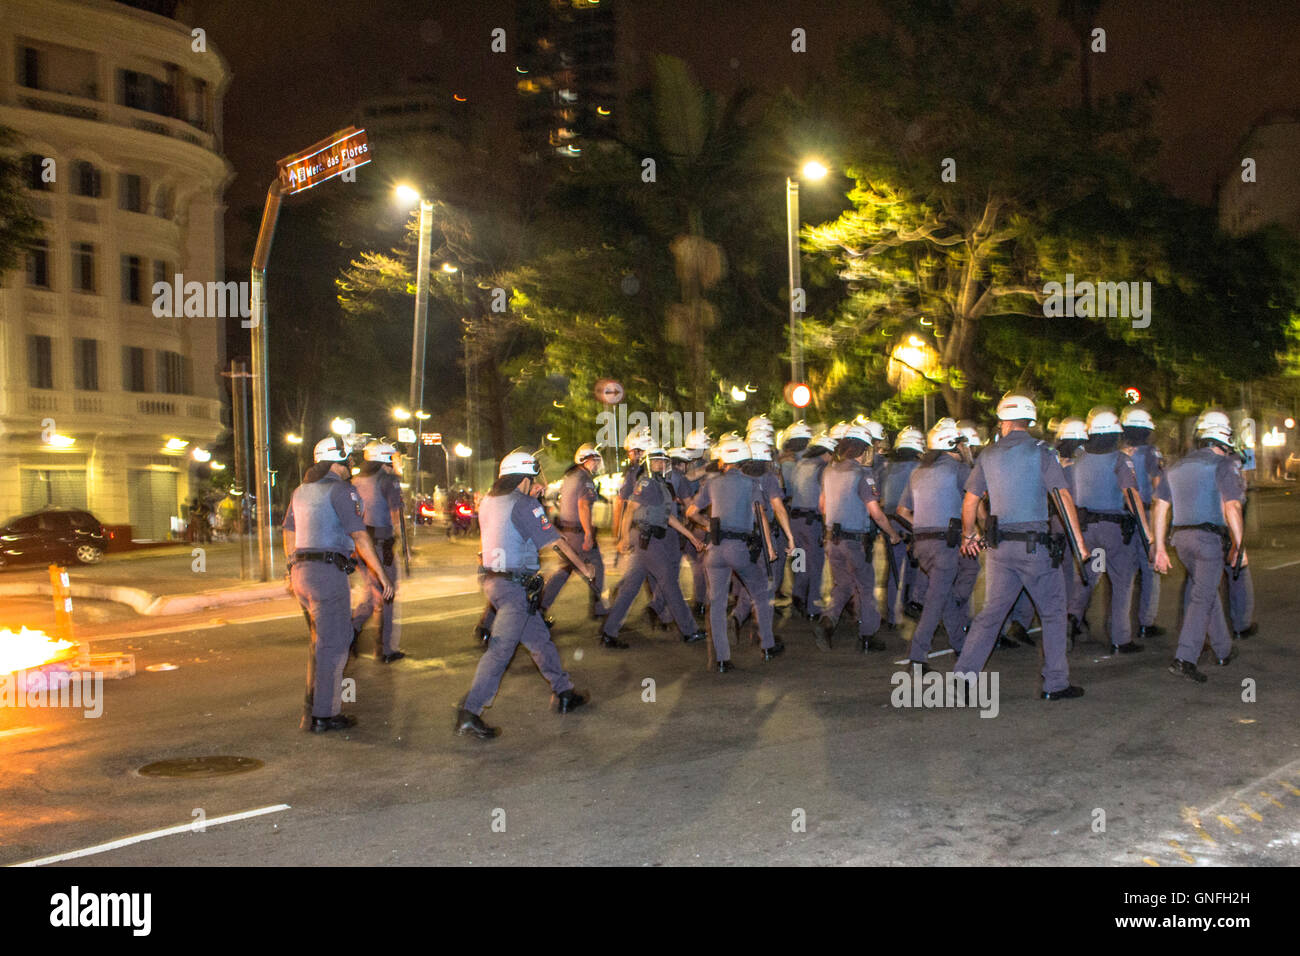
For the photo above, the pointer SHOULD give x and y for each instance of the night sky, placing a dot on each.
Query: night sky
(299, 68)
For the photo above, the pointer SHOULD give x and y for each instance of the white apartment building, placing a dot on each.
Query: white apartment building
(1274, 196)
(118, 119)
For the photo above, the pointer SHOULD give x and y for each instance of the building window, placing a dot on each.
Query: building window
(133, 280)
(40, 361)
(140, 91)
(29, 68)
(161, 273)
(86, 181)
(83, 266)
(171, 373)
(133, 365)
(130, 191)
(164, 201)
(38, 265)
(34, 173)
(87, 364)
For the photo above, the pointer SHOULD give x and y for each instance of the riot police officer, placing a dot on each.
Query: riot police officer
(851, 504)
(381, 503)
(1017, 473)
(1104, 485)
(734, 543)
(1203, 494)
(1241, 586)
(932, 502)
(759, 467)
(576, 526)
(808, 525)
(323, 525)
(700, 467)
(651, 511)
(513, 527)
(1138, 427)
(904, 582)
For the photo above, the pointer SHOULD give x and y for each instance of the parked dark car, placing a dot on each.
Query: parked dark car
(56, 536)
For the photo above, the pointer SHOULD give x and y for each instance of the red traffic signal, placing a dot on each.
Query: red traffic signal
(798, 394)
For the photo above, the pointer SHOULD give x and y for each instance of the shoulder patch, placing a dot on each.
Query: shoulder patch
(539, 511)
(356, 503)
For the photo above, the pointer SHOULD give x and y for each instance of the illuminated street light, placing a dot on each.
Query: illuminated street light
(813, 170)
(176, 444)
(61, 441)
(218, 466)
(550, 436)
(401, 415)
(448, 268)
(342, 427)
(407, 195)
(201, 455)
(422, 415)
(1289, 423)
(292, 439)
(738, 394)
(463, 451)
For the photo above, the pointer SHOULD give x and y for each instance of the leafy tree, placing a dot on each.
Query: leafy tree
(18, 228)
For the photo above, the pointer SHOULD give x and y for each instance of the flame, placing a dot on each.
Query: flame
(29, 648)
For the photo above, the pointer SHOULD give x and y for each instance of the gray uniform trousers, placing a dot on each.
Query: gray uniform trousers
(1007, 569)
(658, 595)
(808, 535)
(1023, 610)
(699, 580)
(902, 580)
(852, 575)
(743, 603)
(322, 590)
(560, 576)
(1202, 555)
(1121, 568)
(513, 625)
(952, 578)
(1241, 599)
(389, 632)
(659, 562)
(1148, 587)
(721, 560)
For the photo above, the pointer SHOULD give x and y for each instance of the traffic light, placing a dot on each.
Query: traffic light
(798, 394)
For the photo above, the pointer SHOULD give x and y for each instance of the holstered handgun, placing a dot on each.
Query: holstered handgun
(1127, 526)
(991, 531)
(1083, 517)
(835, 533)
(754, 541)
(715, 531)
(952, 538)
(388, 551)
(1056, 548)
(533, 585)
(644, 539)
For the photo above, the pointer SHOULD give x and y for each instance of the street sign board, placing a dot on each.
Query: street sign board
(346, 149)
(428, 438)
(406, 435)
(437, 438)
(609, 391)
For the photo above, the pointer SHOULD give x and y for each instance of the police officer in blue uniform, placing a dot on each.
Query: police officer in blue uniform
(513, 526)
(1205, 498)
(734, 543)
(381, 503)
(575, 523)
(698, 468)
(904, 582)
(1101, 479)
(1138, 428)
(1017, 473)
(931, 503)
(809, 525)
(647, 519)
(323, 525)
(851, 505)
(760, 468)
(1241, 586)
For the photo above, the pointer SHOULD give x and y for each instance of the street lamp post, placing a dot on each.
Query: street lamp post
(420, 332)
(812, 170)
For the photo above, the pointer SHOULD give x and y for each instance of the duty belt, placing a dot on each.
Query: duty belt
(1218, 529)
(928, 535)
(522, 578)
(808, 514)
(565, 526)
(1087, 517)
(854, 535)
(341, 561)
(734, 535)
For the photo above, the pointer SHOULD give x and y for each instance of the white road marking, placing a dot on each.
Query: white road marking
(1279, 566)
(15, 731)
(932, 655)
(152, 835)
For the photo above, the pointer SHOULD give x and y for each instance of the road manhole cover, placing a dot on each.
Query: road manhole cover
(192, 767)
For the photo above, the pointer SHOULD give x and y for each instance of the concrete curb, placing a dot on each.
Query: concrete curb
(152, 605)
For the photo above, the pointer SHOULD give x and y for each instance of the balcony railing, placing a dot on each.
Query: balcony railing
(63, 104)
(111, 409)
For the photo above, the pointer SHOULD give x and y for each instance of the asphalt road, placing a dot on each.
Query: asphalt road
(800, 761)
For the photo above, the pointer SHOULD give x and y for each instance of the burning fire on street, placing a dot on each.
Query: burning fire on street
(29, 649)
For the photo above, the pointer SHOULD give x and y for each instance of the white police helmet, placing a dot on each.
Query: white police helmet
(585, 452)
(795, 431)
(822, 443)
(656, 451)
(1015, 407)
(1072, 429)
(943, 435)
(858, 432)
(682, 453)
(759, 422)
(329, 449)
(641, 442)
(518, 462)
(733, 451)
(698, 439)
(1214, 425)
(635, 436)
(911, 438)
(380, 451)
(838, 429)
(1103, 421)
(1136, 418)
(970, 433)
